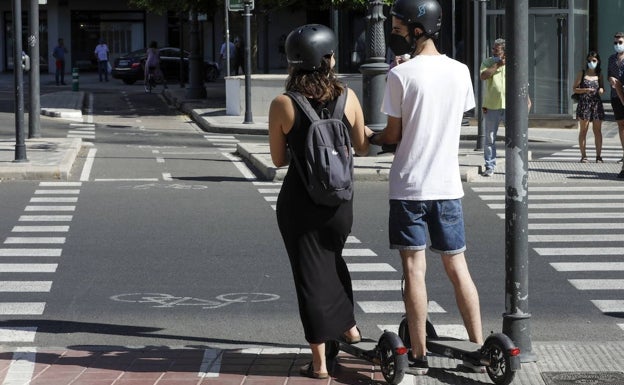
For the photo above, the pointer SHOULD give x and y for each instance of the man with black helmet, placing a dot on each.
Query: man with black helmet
(425, 99)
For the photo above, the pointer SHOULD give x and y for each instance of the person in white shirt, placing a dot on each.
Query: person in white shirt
(101, 54)
(425, 99)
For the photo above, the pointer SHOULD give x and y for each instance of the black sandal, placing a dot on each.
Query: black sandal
(599, 159)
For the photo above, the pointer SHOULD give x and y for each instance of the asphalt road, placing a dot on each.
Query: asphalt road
(171, 242)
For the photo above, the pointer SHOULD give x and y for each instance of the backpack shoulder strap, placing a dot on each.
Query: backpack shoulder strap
(304, 104)
(340, 105)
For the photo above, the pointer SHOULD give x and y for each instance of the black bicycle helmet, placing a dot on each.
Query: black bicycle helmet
(307, 45)
(425, 14)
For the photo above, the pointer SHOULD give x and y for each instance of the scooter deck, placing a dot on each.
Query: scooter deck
(452, 343)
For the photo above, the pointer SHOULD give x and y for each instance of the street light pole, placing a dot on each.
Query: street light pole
(18, 78)
(374, 70)
(247, 16)
(481, 55)
(35, 101)
(516, 319)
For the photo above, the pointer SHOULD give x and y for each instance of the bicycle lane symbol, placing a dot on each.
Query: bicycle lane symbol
(159, 300)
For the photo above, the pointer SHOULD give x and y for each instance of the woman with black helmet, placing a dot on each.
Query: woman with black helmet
(314, 235)
(425, 99)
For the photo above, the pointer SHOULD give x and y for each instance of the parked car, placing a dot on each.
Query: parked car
(131, 67)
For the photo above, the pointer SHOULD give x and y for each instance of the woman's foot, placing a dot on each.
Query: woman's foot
(599, 159)
(307, 370)
(584, 159)
(352, 336)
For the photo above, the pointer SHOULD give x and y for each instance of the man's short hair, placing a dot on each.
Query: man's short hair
(619, 34)
(500, 43)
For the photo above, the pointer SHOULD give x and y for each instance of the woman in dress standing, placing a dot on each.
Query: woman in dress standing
(314, 235)
(588, 85)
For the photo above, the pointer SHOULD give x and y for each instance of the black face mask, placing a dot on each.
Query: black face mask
(399, 44)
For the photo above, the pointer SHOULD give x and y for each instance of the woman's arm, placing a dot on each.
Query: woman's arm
(359, 132)
(281, 119)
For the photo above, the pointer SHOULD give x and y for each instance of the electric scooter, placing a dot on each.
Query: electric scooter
(498, 353)
(389, 353)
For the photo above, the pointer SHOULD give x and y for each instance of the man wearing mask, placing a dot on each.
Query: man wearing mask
(493, 73)
(615, 75)
(425, 99)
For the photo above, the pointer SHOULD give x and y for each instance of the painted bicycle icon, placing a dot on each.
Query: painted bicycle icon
(159, 300)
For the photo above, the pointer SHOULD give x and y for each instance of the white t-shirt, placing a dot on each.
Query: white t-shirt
(429, 93)
(101, 51)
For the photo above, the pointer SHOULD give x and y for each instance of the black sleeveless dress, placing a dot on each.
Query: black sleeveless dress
(314, 237)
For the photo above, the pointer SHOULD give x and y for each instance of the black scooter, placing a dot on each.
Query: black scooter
(389, 353)
(498, 353)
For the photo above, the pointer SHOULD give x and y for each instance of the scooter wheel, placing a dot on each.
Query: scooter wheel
(499, 369)
(331, 349)
(392, 365)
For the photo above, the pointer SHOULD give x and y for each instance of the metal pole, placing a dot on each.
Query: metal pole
(35, 101)
(18, 78)
(374, 70)
(181, 37)
(196, 89)
(516, 320)
(482, 54)
(247, 16)
(227, 39)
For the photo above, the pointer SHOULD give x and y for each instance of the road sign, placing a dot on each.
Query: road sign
(238, 5)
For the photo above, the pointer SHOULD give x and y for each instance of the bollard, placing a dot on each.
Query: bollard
(75, 79)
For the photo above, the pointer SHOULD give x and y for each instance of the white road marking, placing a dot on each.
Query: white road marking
(569, 205)
(558, 197)
(127, 180)
(167, 176)
(22, 308)
(597, 284)
(49, 208)
(45, 218)
(18, 334)
(394, 307)
(609, 305)
(369, 267)
(585, 251)
(40, 229)
(268, 190)
(576, 226)
(54, 200)
(577, 215)
(60, 184)
(358, 253)
(34, 240)
(352, 239)
(28, 267)
(376, 285)
(56, 192)
(588, 266)
(21, 368)
(88, 165)
(501, 189)
(577, 238)
(26, 286)
(240, 165)
(30, 252)
(211, 363)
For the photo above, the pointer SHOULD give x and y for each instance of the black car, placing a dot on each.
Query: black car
(131, 67)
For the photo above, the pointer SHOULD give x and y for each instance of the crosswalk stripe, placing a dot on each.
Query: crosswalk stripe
(569, 205)
(60, 184)
(22, 308)
(28, 267)
(18, 334)
(268, 190)
(33, 240)
(551, 251)
(45, 218)
(30, 252)
(54, 200)
(21, 367)
(576, 226)
(352, 239)
(270, 199)
(219, 137)
(376, 285)
(57, 192)
(609, 305)
(560, 197)
(597, 284)
(588, 266)
(25, 286)
(577, 215)
(563, 189)
(577, 238)
(358, 253)
(223, 141)
(49, 208)
(260, 183)
(40, 229)
(369, 267)
(394, 307)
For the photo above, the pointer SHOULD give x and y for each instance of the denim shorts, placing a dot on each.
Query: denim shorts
(410, 220)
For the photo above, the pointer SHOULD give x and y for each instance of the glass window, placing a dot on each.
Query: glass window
(557, 4)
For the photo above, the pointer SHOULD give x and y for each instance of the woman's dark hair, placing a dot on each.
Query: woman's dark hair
(153, 44)
(594, 54)
(321, 84)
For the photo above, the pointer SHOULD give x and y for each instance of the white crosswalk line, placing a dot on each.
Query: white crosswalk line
(585, 205)
(566, 189)
(18, 334)
(593, 238)
(369, 267)
(45, 218)
(588, 266)
(60, 184)
(576, 215)
(551, 251)
(30, 252)
(22, 367)
(40, 229)
(25, 286)
(376, 285)
(57, 192)
(609, 305)
(597, 284)
(559, 197)
(352, 239)
(54, 200)
(49, 208)
(577, 226)
(33, 240)
(393, 307)
(358, 253)
(270, 199)
(22, 308)
(268, 190)
(28, 267)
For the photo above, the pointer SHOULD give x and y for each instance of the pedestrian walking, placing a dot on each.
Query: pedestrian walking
(315, 234)
(589, 87)
(425, 99)
(59, 53)
(101, 55)
(615, 74)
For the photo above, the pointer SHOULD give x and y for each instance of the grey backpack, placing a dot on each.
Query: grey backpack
(328, 154)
